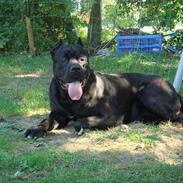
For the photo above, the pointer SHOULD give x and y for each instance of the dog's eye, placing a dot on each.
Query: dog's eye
(82, 59)
(64, 59)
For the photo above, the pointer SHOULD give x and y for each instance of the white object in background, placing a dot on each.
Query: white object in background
(179, 75)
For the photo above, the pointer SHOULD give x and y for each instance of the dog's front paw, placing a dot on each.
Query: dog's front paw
(78, 128)
(35, 133)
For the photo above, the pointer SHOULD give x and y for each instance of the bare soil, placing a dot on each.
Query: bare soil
(168, 148)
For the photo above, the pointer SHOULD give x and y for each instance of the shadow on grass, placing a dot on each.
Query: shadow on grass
(22, 96)
(48, 165)
(24, 89)
(64, 157)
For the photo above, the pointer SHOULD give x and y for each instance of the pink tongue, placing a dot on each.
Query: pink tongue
(75, 90)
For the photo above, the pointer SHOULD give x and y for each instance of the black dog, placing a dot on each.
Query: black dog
(99, 101)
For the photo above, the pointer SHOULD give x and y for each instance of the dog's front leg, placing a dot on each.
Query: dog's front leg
(47, 125)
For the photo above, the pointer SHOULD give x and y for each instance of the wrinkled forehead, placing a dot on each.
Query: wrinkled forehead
(69, 52)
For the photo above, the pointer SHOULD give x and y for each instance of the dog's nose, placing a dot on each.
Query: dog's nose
(75, 68)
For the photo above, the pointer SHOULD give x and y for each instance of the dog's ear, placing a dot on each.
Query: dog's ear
(56, 47)
(79, 42)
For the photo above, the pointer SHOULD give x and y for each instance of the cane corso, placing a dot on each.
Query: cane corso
(99, 101)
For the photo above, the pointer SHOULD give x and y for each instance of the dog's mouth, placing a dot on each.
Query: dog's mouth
(74, 89)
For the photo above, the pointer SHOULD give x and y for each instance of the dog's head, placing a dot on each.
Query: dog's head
(71, 68)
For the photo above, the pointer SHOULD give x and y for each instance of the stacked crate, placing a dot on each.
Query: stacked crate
(139, 43)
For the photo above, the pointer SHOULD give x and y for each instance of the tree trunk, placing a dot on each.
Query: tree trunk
(94, 28)
(30, 36)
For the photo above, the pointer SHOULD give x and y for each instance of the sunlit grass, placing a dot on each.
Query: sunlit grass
(25, 80)
(145, 136)
(47, 165)
(24, 85)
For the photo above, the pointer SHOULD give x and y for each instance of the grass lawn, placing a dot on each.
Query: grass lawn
(134, 153)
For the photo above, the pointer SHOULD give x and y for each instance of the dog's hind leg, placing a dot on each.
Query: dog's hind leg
(95, 122)
(177, 118)
(161, 102)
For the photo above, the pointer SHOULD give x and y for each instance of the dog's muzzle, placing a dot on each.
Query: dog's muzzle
(74, 88)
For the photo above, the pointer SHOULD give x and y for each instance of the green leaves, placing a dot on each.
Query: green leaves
(49, 19)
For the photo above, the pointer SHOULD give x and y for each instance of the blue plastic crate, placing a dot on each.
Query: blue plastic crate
(139, 43)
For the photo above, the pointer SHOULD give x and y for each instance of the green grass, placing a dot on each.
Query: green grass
(47, 165)
(25, 80)
(145, 136)
(24, 85)
(156, 64)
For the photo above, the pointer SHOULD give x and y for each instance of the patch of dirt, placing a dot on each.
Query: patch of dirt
(169, 147)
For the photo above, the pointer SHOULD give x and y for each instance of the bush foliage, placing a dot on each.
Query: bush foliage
(68, 19)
